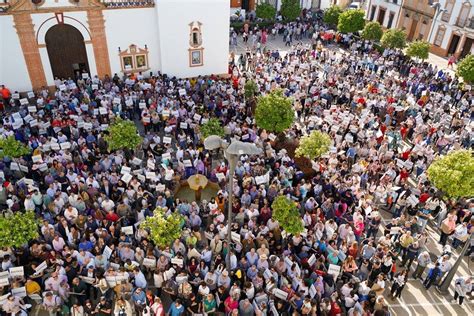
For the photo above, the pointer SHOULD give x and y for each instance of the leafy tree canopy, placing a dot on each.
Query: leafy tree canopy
(250, 89)
(265, 11)
(18, 229)
(331, 15)
(313, 145)
(453, 174)
(274, 112)
(212, 127)
(123, 134)
(372, 31)
(351, 21)
(10, 147)
(465, 68)
(164, 229)
(290, 9)
(394, 38)
(287, 215)
(418, 49)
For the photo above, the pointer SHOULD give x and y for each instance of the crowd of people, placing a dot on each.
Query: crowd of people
(388, 118)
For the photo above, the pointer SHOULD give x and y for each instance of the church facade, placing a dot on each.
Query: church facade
(46, 39)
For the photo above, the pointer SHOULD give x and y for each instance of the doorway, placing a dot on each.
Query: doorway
(453, 46)
(381, 16)
(67, 51)
(467, 47)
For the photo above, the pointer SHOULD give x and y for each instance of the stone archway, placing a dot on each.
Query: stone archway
(66, 50)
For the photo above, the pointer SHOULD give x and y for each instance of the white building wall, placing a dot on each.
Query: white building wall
(133, 26)
(389, 7)
(174, 17)
(13, 71)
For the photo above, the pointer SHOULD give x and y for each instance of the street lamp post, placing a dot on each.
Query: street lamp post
(232, 154)
(443, 288)
(437, 7)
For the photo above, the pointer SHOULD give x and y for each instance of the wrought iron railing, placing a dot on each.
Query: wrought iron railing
(128, 3)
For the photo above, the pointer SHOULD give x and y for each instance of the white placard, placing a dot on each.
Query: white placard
(183, 125)
(197, 117)
(187, 163)
(15, 96)
(128, 230)
(95, 87)
(85, 76)
(55, 146)
(32, 109)
(312, 291)
(334, 270)
(37, 159)
(148, 262)
(166, 113)
(107, 252)
(117, 100)
(33, 123)
(280, 294)
(166, 156)
(24, 169)
(88, 126)
(14, 166)
(136, 161)
(182, 92)
(87, 279)
(24, 101)
(220, 176)
(126, 178)
(160, 187)
(125, 170)
(4, 282)
(62, 87)
(167, 140)
(177, 261)
(150, 175)
(19, 292)
(41, 267)
(17, 272)
(141, 105)
(312, 260)
(65, 145)
(102, 111)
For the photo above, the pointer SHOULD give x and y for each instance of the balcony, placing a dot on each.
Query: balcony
(118, 4)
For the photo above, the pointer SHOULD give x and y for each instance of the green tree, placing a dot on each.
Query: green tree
(465, 69)
(11, 148)
(394, 39)
(372, 31)
(331, 15)
(274, 112)
(290, 9)
(313, 145)
(287, 215)
(351, 21)
(265, 11)
(164, 229)
(18, 229)
(418, 49)
(212, 127)
(250, 89)
(123, 134)
(453, 174)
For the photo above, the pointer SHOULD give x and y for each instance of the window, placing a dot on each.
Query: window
(372, 12)
(464, 14)
(421, 35)
(439, 36)
(390, 19)
(449, 10)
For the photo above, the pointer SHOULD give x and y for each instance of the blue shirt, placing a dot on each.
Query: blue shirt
(176, 311)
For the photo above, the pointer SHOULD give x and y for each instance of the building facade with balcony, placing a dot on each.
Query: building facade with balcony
(47, 39)
(386, 12)
(416, 17)
(453, 31)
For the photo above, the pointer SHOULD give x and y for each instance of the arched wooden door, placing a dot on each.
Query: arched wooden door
(67, 51)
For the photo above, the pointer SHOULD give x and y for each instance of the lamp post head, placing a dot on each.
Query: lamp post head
(213, 142)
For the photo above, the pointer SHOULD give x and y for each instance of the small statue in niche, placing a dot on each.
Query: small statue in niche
(195, 35)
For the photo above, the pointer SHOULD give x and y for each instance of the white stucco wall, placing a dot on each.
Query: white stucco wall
(174, 17)
(132, 26)
(13, 71)
(389, 6)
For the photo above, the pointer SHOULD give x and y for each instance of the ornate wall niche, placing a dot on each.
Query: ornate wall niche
(134, 59)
